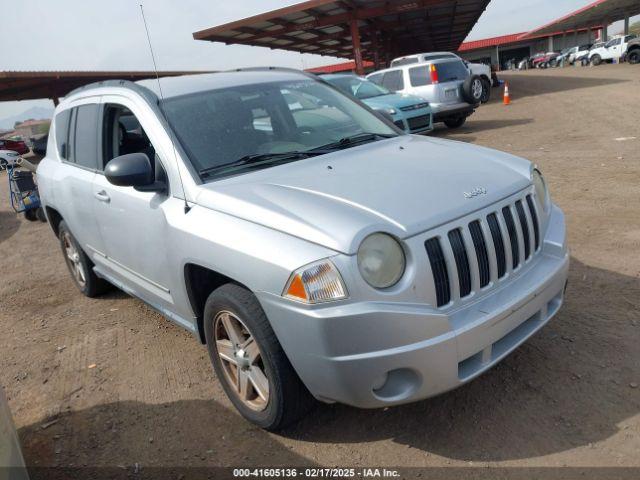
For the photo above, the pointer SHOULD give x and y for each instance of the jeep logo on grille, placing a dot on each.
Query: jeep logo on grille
(476, 192)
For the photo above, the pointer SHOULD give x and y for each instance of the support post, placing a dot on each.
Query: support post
(550, 43)
(605, 32)
(376, 51)
(498, 58)
(626, 23)
(357, 48)
(575, 38)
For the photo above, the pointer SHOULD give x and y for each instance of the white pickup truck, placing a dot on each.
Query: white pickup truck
(480, 69)
(612, 50)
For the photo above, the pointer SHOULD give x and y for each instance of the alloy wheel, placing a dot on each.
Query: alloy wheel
(74, 262)
(241, 360)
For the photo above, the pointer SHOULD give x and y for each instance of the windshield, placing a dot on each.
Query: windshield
(219, 127)
(358, 87)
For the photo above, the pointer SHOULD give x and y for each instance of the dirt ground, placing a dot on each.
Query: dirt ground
(108, 382)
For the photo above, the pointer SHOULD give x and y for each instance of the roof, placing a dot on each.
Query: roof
(397, 27)
(57, 84)
(338, 67)
(491, 42)
(189, 84)
(595, 14)
(513, 38)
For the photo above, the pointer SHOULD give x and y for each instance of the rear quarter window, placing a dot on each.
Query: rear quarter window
(419, 76)
(62, 133)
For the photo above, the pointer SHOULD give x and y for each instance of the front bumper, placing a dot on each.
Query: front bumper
(375, 354)
(415, 121)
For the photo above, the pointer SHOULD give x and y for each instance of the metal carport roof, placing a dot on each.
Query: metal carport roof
(371, 29)
(595, 14)
(54, 85)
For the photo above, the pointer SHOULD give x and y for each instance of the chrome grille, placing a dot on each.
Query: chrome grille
(469, 257)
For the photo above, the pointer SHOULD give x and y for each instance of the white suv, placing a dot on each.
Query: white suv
(612, 50)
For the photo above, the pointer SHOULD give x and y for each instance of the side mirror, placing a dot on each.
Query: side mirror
(133, 170)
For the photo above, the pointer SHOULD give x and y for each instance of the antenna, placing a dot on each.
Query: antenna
(187, 208)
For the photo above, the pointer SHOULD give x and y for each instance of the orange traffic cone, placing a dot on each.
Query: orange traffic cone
(507, 97)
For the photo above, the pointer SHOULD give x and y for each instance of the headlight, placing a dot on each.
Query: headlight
(316, 283)
(11, 154)
(541, 189)
(381, 260)
(392, 111)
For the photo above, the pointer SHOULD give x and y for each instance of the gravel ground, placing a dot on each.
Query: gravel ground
(109, 383)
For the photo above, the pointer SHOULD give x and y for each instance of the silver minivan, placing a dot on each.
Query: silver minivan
(445, 83)
(317, 251)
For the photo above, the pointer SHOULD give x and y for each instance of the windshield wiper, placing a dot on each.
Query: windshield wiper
(259, 159)
(354, 140)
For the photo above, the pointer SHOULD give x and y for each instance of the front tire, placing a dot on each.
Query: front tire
(486, 91)
(454, 123)
(596, 60)
(79, 265)
(249, 362)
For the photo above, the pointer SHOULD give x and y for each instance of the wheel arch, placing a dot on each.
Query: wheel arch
(54, 218)
(199, 283)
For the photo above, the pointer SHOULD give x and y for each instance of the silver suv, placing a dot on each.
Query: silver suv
(452, 92)
(315, 249)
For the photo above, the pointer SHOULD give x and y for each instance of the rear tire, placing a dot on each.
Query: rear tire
(456, 122)
(237, 362)
(596, 60)
(634, 57)
(79, 265)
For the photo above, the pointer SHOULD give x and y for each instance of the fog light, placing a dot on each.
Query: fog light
(379, 383)
(399, 385)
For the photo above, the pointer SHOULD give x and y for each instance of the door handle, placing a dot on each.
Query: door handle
(102, 196)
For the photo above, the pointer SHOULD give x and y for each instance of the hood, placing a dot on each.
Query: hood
(403, 186)
(393, 100)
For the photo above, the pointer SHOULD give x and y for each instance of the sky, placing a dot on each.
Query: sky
(109, 35)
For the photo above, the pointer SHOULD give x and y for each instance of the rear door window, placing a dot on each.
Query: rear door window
(393, 80)
(419, 76)
(85, 138)
(62, 133)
